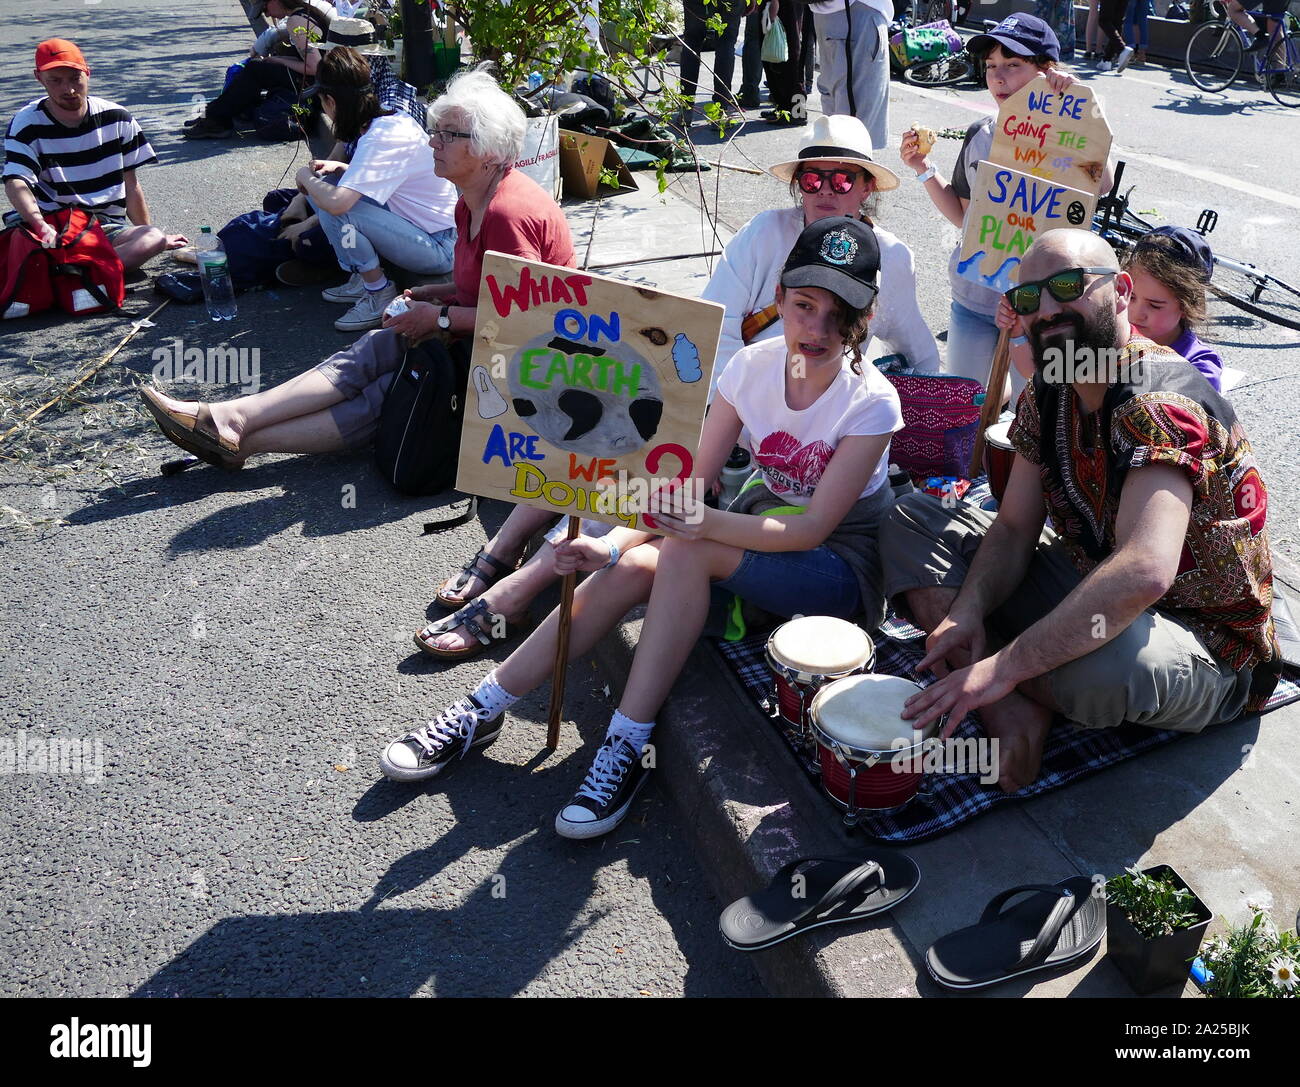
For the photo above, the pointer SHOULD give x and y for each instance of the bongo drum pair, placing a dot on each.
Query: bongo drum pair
(827, 695)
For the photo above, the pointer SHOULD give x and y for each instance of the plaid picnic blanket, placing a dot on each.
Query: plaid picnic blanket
(948, 800)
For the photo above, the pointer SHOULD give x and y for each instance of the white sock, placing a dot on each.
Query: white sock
(637, 733)
(492, 696)
(378, 285)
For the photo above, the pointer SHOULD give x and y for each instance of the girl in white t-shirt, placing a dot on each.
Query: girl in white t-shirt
(821, 428)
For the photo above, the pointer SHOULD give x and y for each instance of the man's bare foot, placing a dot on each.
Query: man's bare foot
(1020, 726)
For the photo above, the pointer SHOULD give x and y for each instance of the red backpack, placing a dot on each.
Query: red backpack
(81, 273)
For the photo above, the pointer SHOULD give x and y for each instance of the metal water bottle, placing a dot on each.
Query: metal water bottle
(734, 473)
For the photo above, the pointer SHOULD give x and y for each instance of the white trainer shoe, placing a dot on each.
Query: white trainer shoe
(368, 312)
(347, 293)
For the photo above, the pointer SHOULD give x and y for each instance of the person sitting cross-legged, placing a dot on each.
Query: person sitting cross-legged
(70, 149)
(1149, 600)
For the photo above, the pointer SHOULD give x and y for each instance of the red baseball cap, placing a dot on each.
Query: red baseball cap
(57, 53)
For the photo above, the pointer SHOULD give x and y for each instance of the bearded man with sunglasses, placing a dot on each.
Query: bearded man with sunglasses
(1148, 600)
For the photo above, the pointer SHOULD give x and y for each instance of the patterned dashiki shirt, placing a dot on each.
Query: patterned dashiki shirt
(1163, 411)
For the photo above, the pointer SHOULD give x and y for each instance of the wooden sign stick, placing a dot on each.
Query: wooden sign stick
(992, 407)
(562, 648)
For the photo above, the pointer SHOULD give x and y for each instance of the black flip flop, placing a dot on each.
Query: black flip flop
(832, 890)
(1058, 925)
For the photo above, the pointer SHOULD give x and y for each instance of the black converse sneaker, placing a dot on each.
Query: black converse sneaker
(424, 752)
(616, 776)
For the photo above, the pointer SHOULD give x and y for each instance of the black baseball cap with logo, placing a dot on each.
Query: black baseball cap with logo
(1024, 35)
(839, 254)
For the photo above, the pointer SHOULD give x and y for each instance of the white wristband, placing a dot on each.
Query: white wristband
(1018, 341)
(613, 556)
(924, 177)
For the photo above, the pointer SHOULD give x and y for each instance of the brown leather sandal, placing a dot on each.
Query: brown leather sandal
(198, 436)
(459, 582)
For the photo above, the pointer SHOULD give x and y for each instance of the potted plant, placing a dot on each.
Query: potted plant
(1252, 960)
(1154, 926)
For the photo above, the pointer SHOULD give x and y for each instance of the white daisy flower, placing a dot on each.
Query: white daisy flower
(1284, 973)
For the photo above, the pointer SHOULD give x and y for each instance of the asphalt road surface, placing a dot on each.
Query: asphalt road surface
(238, 645)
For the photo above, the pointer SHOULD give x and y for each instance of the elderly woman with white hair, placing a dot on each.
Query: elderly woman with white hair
(477, 135)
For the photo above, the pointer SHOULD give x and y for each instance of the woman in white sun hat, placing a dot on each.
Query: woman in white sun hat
(833, 172)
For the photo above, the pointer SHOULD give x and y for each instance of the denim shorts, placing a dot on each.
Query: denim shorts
(816, 582)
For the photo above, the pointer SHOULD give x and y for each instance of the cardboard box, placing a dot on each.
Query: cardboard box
(582, 157)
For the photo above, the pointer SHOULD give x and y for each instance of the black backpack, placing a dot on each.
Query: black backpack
(417, 444)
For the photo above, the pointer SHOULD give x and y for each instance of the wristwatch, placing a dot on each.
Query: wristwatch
(444, 322)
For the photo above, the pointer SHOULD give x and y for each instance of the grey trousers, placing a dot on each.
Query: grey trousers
(362, 373)
(1156, 672)
(870, 68)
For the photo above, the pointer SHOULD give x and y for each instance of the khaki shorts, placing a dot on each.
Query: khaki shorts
(1156, 672)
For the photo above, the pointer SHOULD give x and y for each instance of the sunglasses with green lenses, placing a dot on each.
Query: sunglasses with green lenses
(1066, 286)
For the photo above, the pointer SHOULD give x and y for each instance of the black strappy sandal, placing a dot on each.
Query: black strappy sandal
(468, 617)
(459, 582)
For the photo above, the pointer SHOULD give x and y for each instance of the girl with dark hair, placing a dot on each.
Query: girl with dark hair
(387, 203)
(1169, 269)
(804, 541)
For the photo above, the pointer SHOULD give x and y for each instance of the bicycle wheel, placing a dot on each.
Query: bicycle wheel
(941, 72)
(1257, 293)
(931, 11)
(1285, 86)
(1214, 56)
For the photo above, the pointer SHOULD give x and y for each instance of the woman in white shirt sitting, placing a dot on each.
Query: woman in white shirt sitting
(833, 173)
(388, 202)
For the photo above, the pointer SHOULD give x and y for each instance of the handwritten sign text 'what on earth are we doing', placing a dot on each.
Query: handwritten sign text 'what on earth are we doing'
(586, 394)
(1044, 171)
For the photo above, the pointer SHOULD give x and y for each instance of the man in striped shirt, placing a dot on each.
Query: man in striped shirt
(69, 149)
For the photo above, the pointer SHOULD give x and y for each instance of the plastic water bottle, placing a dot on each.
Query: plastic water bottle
(214, 270)
(534, 80)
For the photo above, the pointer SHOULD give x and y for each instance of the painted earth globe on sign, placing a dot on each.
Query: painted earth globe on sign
(593, 401)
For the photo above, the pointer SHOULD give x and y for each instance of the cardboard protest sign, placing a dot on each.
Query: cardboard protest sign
(1044, 171)
(579, 382)
(1007, 211)
(1060, 137)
